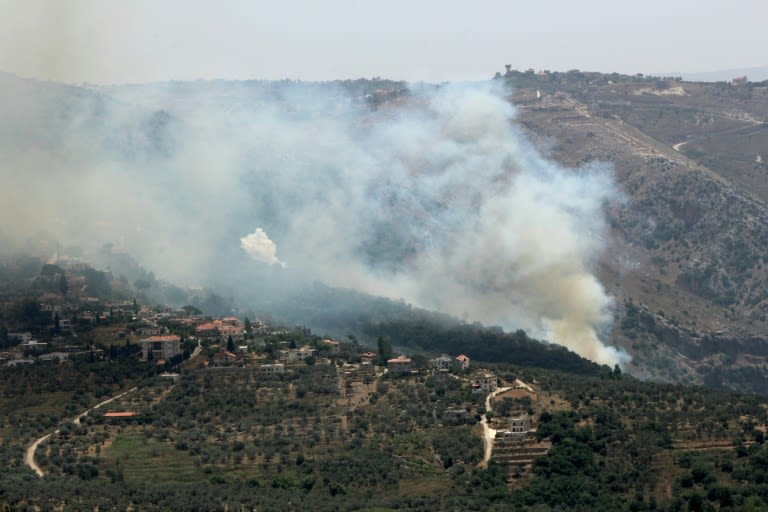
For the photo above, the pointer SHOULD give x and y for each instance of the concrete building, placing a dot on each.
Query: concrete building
(520, 425)
(224, 358)
(272, 369)
(334, 345)
(443, 362)
(161, 347)
(485, 382)
(462, 362)
(401, 364)
(297, 355)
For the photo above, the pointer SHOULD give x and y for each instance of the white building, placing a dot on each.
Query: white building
(518, 426)
(24, 337)
(442, 362)
(161, 347)
(485, 382)
(296, 355)
(272, 369)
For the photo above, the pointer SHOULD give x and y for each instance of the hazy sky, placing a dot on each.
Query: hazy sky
(116, 41)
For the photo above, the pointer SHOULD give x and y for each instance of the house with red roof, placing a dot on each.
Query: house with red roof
(224, 358)
(462, 362)
(400, 364)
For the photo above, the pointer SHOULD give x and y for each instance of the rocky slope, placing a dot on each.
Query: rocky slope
(687, 262)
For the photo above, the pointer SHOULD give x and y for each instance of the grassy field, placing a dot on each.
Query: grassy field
(109, 335)
(145, 459)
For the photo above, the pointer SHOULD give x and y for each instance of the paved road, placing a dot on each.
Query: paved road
(29, 457)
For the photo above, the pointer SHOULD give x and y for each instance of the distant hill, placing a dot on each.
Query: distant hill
(686, 263)
(754, 74)
(686, 260)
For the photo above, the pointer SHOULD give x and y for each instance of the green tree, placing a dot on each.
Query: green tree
(27, 312)
(192, 310)
(230, 344)
(97, 283)
(248, 327)
(384, 346)
(63, 286)
(419, 361)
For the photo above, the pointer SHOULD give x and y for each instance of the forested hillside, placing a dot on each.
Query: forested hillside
(323, 438)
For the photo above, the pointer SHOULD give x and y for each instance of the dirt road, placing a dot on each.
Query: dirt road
(489, 434)
(29, 457)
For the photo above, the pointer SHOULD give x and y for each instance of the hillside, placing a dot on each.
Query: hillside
(686, 260)
(99, 426)
(330, 437)
(683, 263)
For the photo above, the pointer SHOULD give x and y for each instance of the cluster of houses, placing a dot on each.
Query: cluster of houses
(223, 328)
(445, 363)
(481, 382)
(28, 350)
(285, 355)
(288, 354)
(158, 345)
(89, 310)
(442, 364)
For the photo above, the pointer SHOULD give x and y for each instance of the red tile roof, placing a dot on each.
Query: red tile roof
(171, 337)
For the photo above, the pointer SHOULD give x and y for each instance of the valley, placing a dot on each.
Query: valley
(686, 237)
(224, 396)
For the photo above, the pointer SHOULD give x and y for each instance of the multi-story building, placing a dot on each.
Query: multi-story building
(296, 355)
(485, 382)
(161, 347)
(400, 364)
(442, 362)
(272, 369)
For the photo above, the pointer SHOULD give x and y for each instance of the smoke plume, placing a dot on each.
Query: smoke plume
(261, 248)
(434, 197)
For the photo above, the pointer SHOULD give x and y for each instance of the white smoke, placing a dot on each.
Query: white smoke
(438, 200)
(259, 247)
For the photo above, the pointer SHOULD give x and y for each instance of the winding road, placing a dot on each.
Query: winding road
(489, 434)
(29, 457)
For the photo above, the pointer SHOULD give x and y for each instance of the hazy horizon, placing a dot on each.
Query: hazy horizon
(109, 42)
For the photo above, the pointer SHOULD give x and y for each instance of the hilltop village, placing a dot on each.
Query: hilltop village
(61, 329)
(170, 341)
(111, 399)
